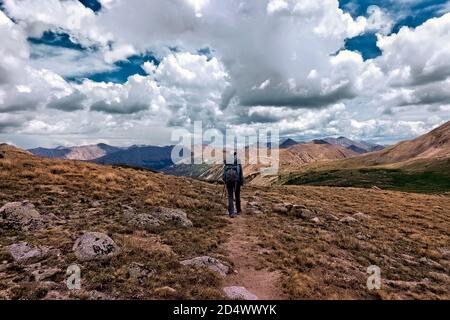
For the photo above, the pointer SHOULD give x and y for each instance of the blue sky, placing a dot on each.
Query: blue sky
(409, 13)
(405, 13)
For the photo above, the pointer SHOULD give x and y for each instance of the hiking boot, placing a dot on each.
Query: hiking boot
(233, 215)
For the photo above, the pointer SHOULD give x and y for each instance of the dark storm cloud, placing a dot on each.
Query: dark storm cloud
(9, 123)
(118, 108)
(68, 103)
(280, 99)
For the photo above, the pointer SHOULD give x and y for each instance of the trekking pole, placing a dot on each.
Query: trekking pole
(223, 191)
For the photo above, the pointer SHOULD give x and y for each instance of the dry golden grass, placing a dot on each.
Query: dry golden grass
(406, 235)
(67, 189)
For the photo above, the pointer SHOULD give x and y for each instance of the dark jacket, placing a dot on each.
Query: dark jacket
(239, 171)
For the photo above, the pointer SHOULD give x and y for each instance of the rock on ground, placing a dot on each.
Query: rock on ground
(41, 273)
(239, 293)
(302, 212)
(208, 262)
(143, 221)
(349, 220)
(20, 216)
(138, 271)
(156, 218)
(175, 216)
(26, 253)
(280, 208)
(95, 246)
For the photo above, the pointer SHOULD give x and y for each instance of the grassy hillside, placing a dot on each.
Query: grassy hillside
(390, 179)
(292, 242)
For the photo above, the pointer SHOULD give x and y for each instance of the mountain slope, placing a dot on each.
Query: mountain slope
(433, 146)
(291, 242)
(87, 152)
(288, 143)
(313, 152)
(150, 157)
(357, 146)
(419, 165)
(297, 155)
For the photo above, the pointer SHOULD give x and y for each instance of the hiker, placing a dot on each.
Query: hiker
(233, 179)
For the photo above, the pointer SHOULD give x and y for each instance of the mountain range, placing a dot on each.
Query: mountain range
(359, 147)
(87, 152)
(418, 165)
(159, 158)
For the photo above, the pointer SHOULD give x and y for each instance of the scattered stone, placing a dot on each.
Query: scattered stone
(303, 213)
(253, 204)
(315, 220)
(349, 220)
(264, 252)
(175, 216)
(95, 246)
(96, 204)
(26, 253)
(360, 215)
(362, 236)
(280, 208)
(42, 274)
(143, 221)
(239, 293)
(156, 218)
(138, 271)
(20, 216)
(445, 251)
(375, 188)
(332, 217)
(208, 262)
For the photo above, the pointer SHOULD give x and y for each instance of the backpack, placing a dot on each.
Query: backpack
(231, 174)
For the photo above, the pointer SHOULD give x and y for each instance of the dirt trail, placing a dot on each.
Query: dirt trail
(249, 273)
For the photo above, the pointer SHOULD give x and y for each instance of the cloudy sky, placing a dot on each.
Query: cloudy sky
(130, 71)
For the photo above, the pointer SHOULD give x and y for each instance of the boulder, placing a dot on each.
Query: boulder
(95, 246)
(156, 218)
(302, 212)
(239, 293)
(26, 253)
(348, 220)
(143, 221)
(332, 217)
(280, 208)
(208, 262)
(174, 216)
(41, 273)
(20, 216)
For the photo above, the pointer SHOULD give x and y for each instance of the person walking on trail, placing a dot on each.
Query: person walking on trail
(233, 179)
